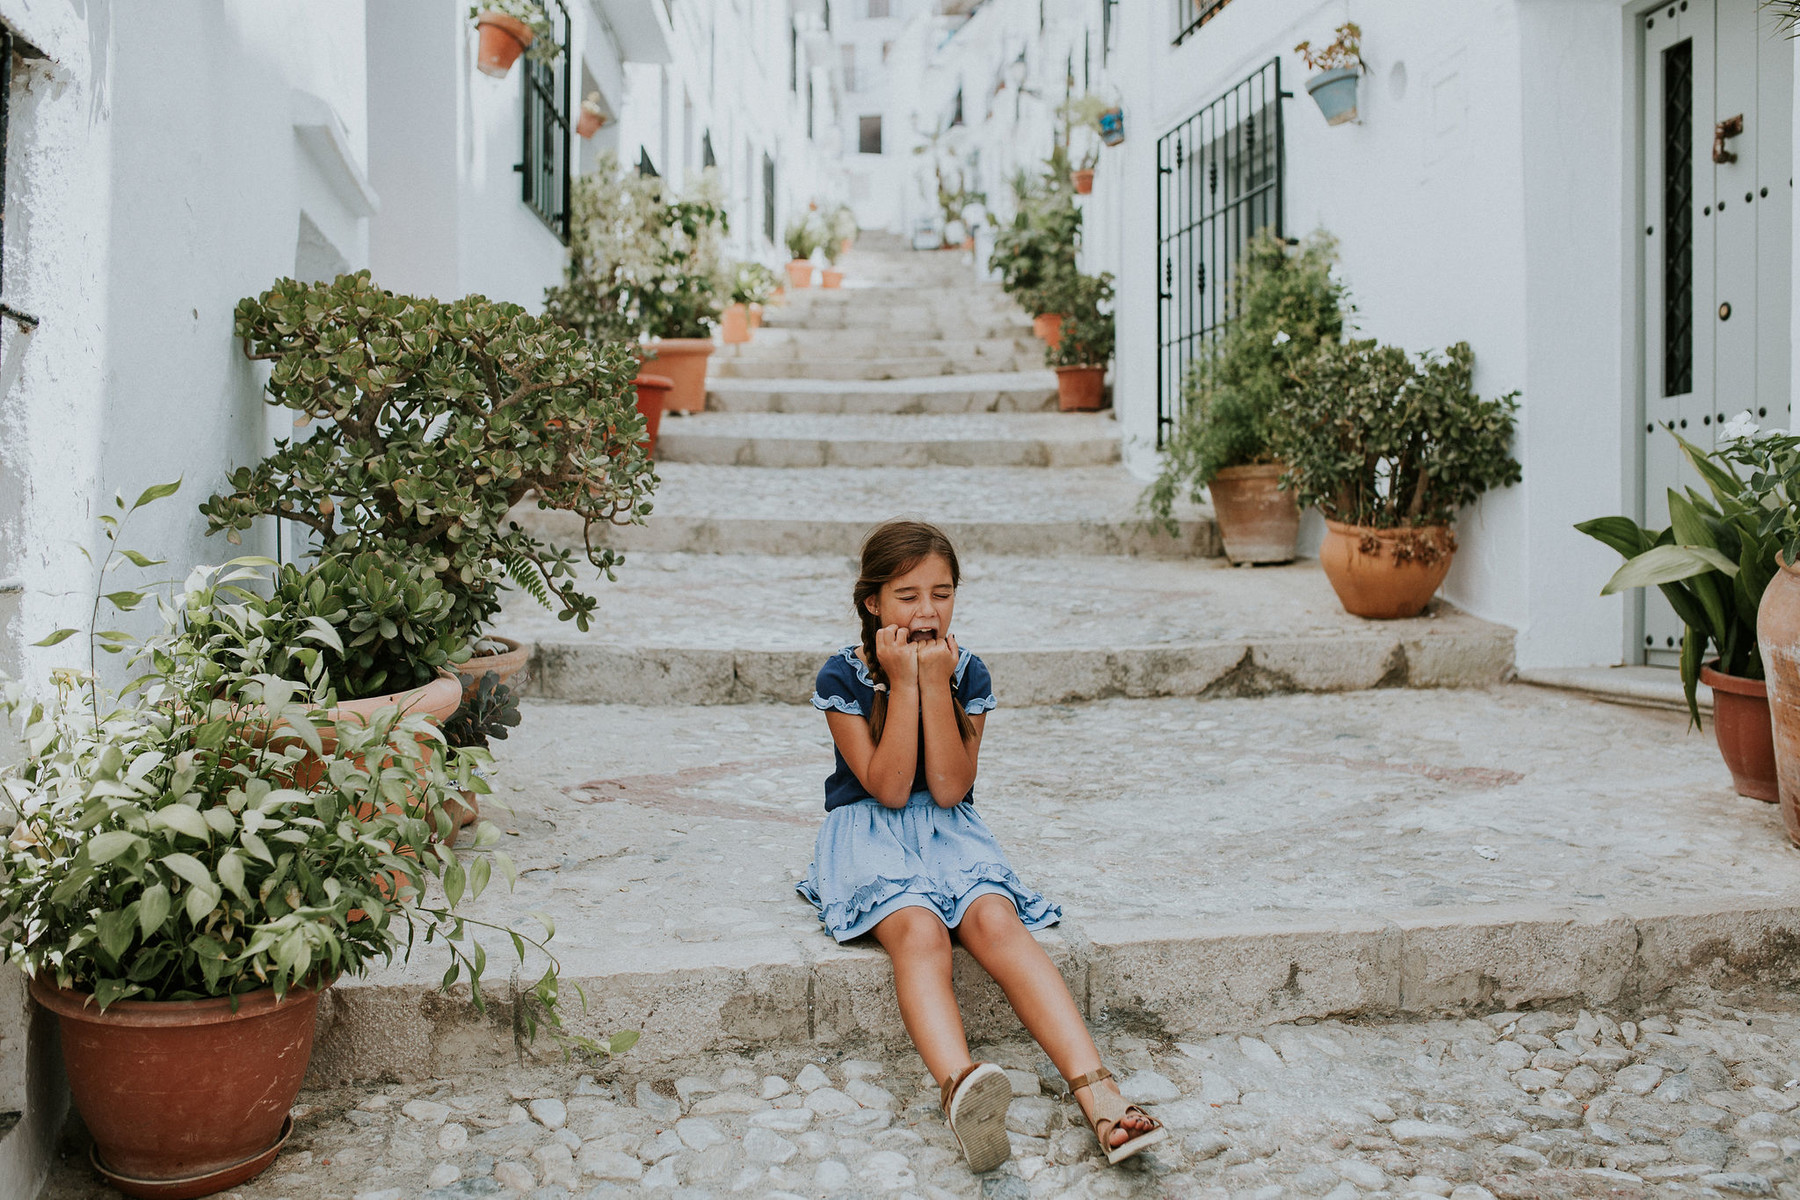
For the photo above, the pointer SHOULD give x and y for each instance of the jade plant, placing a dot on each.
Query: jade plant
(430, 421)
(1283, 305)
(642, 262)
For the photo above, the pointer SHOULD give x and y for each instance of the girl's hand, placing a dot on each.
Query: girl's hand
(899, 658)
(937, 660)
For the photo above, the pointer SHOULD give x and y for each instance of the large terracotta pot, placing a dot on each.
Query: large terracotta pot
(799, 272)
(502, 39)
(683, 362)
(1778, 637)
(1083, 181)
(652, 397)
(506, 664)
(1080, 389)
(1745, 734)
(437, 700)
(1048, 328)
(1384, 574)
(184, 1097)
(1258, 522)
(734, 325)
(831, 277)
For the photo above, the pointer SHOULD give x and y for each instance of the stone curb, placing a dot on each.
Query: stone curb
(725, 450)
(1155, 978)
(1474, 656)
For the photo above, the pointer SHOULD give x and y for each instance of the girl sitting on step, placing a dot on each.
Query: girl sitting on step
(903, 855)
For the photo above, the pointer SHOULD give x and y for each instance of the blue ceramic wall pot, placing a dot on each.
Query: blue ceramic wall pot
(1112, 126)
(1335, 93)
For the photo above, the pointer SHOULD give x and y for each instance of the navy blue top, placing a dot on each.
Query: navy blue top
(844, 685)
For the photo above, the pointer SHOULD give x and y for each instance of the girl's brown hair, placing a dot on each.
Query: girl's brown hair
(891, 550)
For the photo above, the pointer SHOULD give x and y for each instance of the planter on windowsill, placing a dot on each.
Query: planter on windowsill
(1335, 93)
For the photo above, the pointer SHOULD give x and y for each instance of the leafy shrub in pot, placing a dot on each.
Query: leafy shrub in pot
(1389, 449)
(1085, 343)
(1035, 252)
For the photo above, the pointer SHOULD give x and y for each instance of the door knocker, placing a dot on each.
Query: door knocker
(1730, 127)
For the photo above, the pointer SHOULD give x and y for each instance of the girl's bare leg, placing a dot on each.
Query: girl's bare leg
(992, 932)
(919, 945)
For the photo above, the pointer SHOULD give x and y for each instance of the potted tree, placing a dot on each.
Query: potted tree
(179, 898)
(1035, 253)
(430, 421)
(801, 238)
(1285, 305)
(1080, 355)
(1338, 66)
(509, 28)
(1714, 563)
(1389, 450)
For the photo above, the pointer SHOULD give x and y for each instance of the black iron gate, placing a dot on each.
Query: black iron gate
(545, 162)
(1218, 182)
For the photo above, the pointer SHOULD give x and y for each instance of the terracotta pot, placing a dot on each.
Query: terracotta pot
(756, 316)
(1778, 637)
(683, 362)
(1048, 328)
(1083, 181)
(507, 664)
(1080, 389)
(831, 278)
(734, 325)
(844, 245)
(968, 243)
(1745, 734)
(652, 396)
(465, 811)
(184, 1097)
(503, 39)
(589, 122)
(800, 272)
(1385, 574)
(1257, 520)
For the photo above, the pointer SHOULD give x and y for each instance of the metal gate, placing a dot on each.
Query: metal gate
(1218, 182)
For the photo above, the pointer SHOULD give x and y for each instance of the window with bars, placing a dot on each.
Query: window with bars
(1219, 181)
(545, 161)
(768, 182)
(1678, 219)
(1190, 15)
(868, 135)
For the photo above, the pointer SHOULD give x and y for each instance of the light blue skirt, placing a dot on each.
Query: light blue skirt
(871, 861)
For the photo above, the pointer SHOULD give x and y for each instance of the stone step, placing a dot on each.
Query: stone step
(1221, 865)
(1001, 391)
(825, 367)
(802, 345)
(828, 510)
(967, 439)
(735, 629)
(909, 321)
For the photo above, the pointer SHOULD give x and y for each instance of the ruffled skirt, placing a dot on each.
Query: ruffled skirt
(871, 861)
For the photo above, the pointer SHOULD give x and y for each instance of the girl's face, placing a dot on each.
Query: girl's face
(919, 601)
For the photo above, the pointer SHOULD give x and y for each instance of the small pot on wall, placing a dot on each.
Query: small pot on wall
(1112, 126)
(1335, 93)
(1385, 574)
(502, 39)
(1080, 389)
(800, 272)
(1083, 181)
(590, 121)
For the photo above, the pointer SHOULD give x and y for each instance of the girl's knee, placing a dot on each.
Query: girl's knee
(914, 931)
(991, 916)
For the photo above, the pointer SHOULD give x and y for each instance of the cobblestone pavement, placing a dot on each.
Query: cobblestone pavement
(1696, 1098)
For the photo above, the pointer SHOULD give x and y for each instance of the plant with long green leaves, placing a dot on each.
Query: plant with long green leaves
(1035, 252)
(1712, 563)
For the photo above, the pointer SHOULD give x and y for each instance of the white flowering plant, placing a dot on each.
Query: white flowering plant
(1719, 550)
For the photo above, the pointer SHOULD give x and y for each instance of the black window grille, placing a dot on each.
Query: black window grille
(810, 106)
(646, 168)
(707, 157)
(1678, 219)
(868, 135)
(1219, 182)
(794, 57)
(768, 198)
(956, 113)
(1194, 14)
(546, 139)
(1106, 20)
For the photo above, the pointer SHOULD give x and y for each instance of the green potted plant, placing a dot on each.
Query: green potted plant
(193, 859)
(841, 225)
(430, 420)
(1034, 253)
(509, 28)
(1284, 305)
(488, 713)
(1337, 66)
(801, 238)
(1080, 355)
(1714, 563)
(751, 286)
(1389, 450)
(648, 264)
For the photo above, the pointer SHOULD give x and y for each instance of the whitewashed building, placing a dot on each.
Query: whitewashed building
(1565, 184)
(164, 161)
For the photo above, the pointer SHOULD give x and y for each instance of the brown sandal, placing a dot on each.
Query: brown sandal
(975, 1100)
(1109, 1110)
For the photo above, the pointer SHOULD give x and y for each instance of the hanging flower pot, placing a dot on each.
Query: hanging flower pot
(1083, 181)
(831, 277)
(1385, 574)
(683, 361)
(592, 118)
(1048, 328)
(734, 324)
(184, 1098)
(652, 396)
(1258, 522)
(1112, 126)
(1080, 389)
(503, 39)
(800, 272)
(1335, 94)
(1742, 727)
